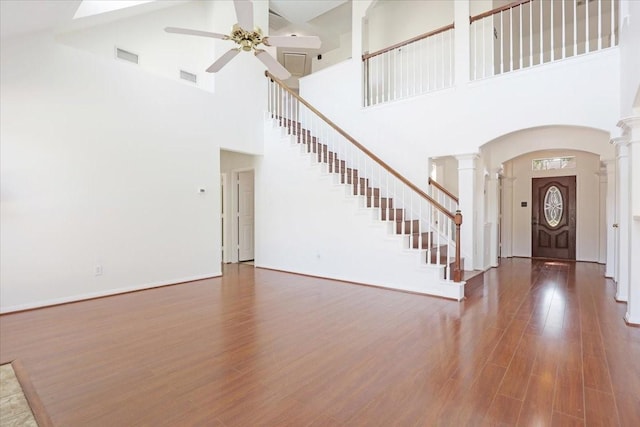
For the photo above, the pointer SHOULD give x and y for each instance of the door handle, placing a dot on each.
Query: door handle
(615, 225)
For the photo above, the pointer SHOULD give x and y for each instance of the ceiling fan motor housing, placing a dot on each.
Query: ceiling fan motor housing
(248, 40)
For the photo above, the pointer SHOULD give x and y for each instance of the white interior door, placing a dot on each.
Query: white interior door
(245, 216)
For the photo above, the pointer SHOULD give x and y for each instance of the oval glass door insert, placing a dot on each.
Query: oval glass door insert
(553, 206)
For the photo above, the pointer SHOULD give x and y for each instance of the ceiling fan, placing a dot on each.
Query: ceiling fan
(248, 38)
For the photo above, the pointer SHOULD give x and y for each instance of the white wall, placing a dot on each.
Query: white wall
(100, 164)
(159, 52)
(588, 218)
(342, 53)
(629, 58)
(166, 54)
(579, 92)
(393, 21)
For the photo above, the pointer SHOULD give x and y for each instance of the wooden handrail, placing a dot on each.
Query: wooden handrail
(406, 42)
(497, 10)
(441, 188)
(362, 148)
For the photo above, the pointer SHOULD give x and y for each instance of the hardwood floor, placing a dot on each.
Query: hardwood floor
(537, 343)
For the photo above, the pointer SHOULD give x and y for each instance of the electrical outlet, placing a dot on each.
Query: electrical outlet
(98, 270)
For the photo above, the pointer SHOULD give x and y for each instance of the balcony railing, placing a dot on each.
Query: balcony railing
(519, 35)
(532, 32)
(413, 67)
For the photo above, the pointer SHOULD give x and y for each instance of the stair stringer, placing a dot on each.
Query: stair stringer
(308, 222)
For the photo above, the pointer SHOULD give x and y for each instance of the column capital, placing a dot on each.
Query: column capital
(629, 123)
(631, 128)
(467, 161)
(619, 140)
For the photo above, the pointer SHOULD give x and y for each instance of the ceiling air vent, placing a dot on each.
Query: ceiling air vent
(296, 63)
(190, 77)
(126, 55)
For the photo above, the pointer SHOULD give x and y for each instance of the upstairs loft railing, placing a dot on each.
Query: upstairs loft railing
(518, 35)
(531, 32)
(443, 196)
(429, 225)
(412, 67)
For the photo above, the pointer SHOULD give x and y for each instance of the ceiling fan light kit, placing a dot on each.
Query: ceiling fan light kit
(249, 40)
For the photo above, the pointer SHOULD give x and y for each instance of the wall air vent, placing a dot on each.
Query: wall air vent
(190, 77)
(126, 55)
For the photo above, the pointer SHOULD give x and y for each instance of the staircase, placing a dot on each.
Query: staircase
(424, 227)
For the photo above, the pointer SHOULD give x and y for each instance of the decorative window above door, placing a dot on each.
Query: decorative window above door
(553, 206)
(553, 163)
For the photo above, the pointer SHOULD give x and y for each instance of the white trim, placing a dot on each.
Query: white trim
(111, 292)
(232, 212)
(631, 320)
(226, 225)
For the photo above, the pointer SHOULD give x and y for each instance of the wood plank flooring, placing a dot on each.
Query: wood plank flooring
(535, 343)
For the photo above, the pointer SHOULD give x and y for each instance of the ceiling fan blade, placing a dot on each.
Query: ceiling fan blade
(222, 61)
(195, 33)
(274, 66)
(244, 13)
(306, 42)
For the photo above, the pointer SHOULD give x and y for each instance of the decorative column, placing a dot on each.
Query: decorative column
(468, 206)
(622, 218)
(631, 127)
(610, 216)
(506, 222)
(492, 204)
(602, 217)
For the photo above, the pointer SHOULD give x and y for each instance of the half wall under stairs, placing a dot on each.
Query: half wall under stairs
(317, 216)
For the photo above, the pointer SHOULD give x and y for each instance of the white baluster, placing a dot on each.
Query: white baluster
(475, 49)
(451, 56)
(599, 24)
(421, 63)
(551, 40)
(501, 35)
(485, 51)
(511, 39)
(531, 34)
(563, 24)
(520, 34)
(613, 21)
(586, 27)
(575, 28)
(541, 33)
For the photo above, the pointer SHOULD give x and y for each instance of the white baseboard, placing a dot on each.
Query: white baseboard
(631, 320)
(110, 292)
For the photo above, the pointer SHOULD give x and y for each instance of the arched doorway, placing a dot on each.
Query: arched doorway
(514, 163)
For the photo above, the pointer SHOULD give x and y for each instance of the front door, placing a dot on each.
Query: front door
(553, 217)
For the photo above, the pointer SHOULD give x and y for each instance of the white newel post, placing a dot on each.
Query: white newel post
(610, 206)
(468, 206)
(622, 218)
(631, 127)
(461, 44)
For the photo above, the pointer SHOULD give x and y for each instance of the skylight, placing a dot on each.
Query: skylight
(96, 7)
